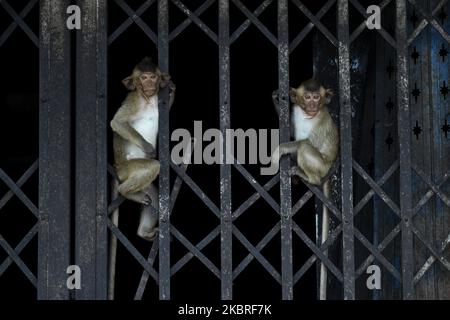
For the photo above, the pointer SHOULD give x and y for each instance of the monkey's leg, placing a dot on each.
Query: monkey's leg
(311, 163)
(149, 216)
(136, 175)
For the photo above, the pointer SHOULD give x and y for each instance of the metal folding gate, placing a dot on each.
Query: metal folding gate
(91, 208)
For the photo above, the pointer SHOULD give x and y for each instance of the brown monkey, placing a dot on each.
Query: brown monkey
(316, 136)
(316, 144)
(135, 127)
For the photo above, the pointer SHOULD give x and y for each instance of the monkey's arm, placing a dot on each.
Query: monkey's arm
(121, 125)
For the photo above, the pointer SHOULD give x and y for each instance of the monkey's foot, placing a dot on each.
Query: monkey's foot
(148, 234)
(139, 197)
(296, 171)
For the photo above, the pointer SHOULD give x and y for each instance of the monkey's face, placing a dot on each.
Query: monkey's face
(312, 103)
(148, 83)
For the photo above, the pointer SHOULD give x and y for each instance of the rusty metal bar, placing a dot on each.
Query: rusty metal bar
(91, 151)
(404, 135)
(164, 155)
(348, 252)
(54, 152)
(285, 179)
(225, 169)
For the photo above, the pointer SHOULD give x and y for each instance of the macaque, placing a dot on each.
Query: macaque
(135, 127)
(316, 144)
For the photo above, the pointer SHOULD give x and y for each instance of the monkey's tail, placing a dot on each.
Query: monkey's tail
(325, 230)
(113, 243)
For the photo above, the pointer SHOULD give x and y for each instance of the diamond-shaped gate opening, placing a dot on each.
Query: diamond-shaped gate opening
(192, 217)
(16, 221)
(257, 220)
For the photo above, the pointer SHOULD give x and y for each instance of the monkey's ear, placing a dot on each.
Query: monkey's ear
(328, 95)
(293, 95)
(165, 80)
(129, 83)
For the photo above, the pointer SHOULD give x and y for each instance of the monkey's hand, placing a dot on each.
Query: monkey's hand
(172, 87)
(149, 150)
(172, 90)
(275, 98)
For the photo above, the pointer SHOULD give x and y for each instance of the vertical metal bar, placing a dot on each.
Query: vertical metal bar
(225, 169)
(164, 155)
(91, 151)
(285, 180)
(405, 151)
(348, 253)
(54, 152)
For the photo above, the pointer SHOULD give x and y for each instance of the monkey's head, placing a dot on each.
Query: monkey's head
(311, 96)
(146, 78)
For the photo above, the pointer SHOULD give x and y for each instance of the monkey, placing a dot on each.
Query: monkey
(135, 132)
(316, 144)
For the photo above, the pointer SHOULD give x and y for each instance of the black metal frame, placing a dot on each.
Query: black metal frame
(92, 210)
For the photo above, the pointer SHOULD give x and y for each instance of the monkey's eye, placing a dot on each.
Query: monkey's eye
(316, 97)
(307, 97)
(153, 76)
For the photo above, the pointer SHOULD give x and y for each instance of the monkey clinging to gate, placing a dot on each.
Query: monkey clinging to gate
(316, 144)
(135, 127)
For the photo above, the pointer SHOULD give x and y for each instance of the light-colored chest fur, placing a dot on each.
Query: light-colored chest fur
(302, 123)
(146, 123)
